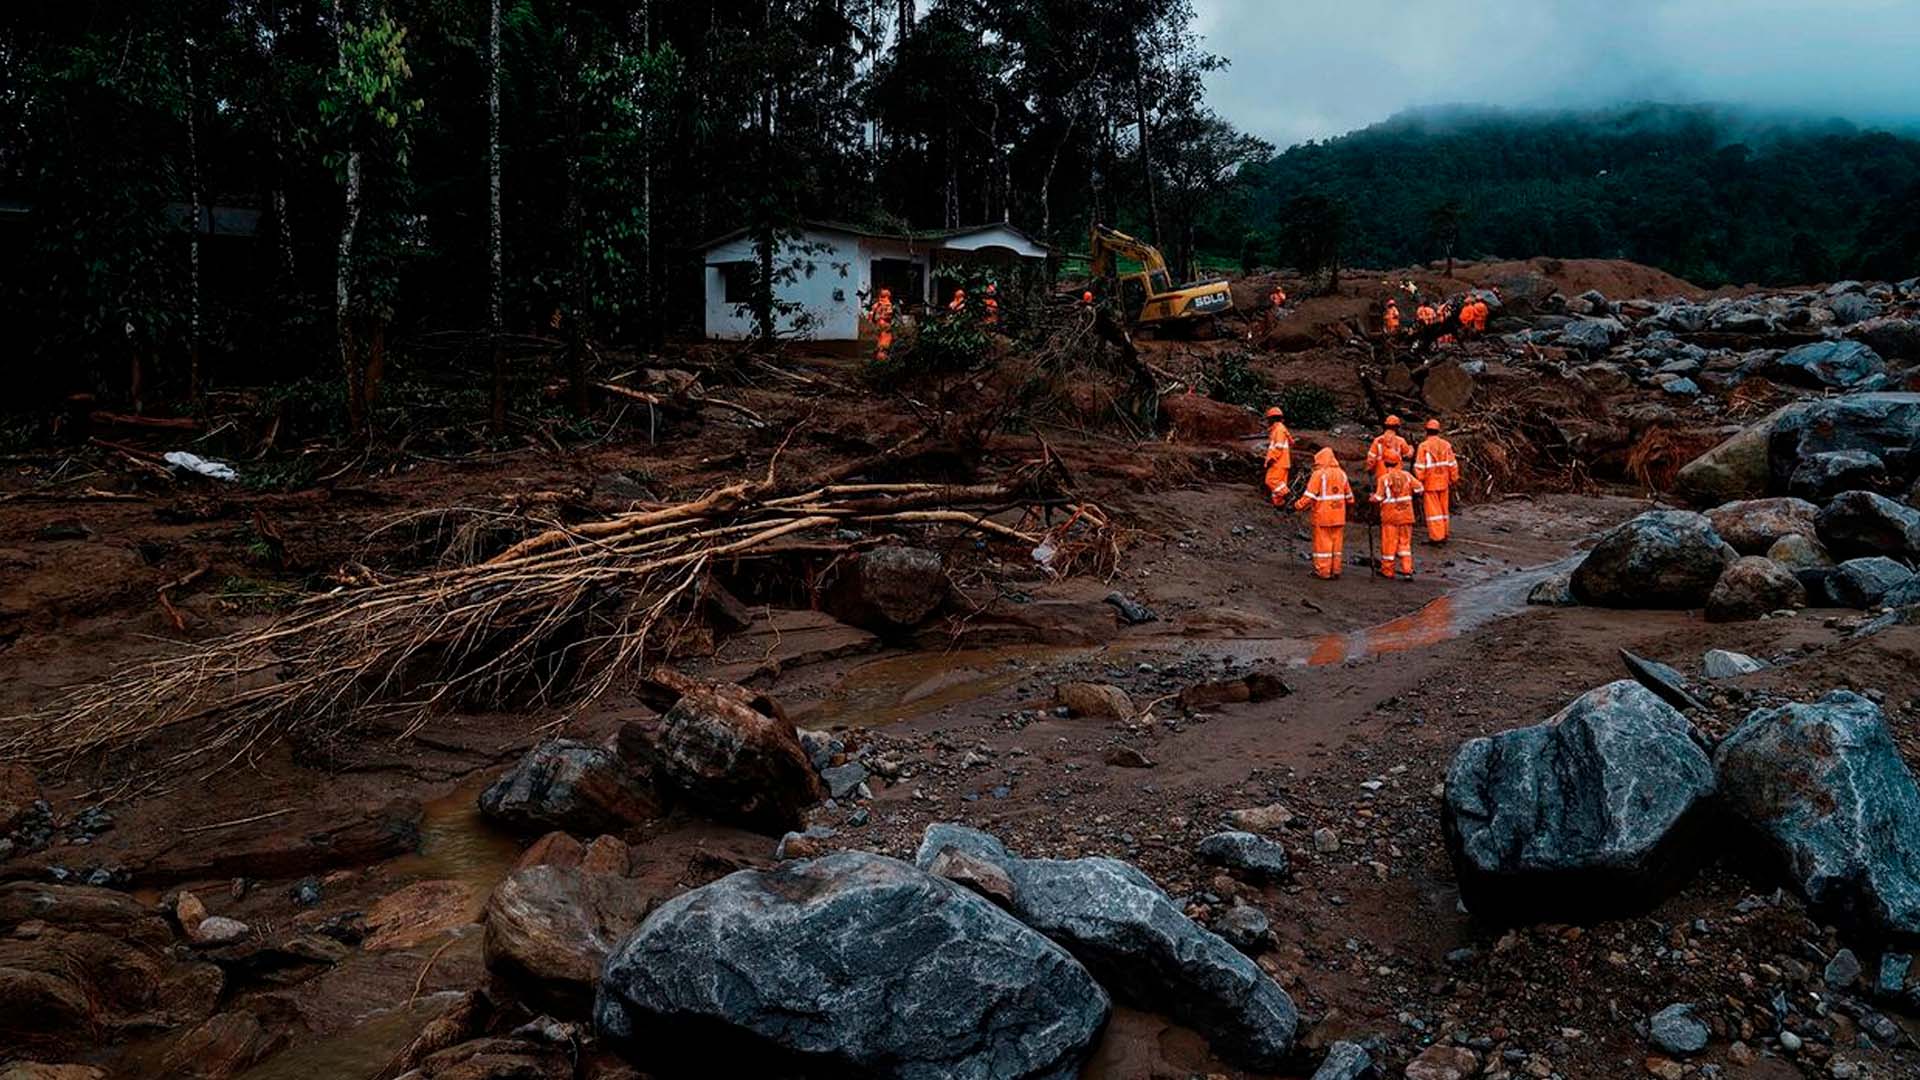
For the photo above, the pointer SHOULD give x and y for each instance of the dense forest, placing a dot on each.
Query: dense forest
(205, 192)
(1713, 194)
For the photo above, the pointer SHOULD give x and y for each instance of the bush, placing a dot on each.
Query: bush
(1309, 406)
(943, 343)
(1231, 379)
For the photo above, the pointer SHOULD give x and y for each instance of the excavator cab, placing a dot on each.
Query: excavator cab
(1148, 296)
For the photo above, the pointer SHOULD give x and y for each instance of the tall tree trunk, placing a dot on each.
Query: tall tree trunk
(1146, 154)
(352, 375)
(648, 297)
(1046, 176)
(193, 232)
(282, 228)
(575, 219)
(497, 416)
(764, 238)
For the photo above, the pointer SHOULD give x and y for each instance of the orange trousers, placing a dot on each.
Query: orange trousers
(1329, 550)
(883, 344)
(1277, 482)
(1396, 545)
(1436, 502)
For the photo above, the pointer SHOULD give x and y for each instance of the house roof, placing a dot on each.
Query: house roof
(927, 236)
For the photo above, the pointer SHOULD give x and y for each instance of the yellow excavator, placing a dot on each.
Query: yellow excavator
(1148, 297)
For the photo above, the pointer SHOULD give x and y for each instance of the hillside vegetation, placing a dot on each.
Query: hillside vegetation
(1712, 194)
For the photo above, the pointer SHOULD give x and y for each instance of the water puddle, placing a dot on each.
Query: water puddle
(360, 1052)
(896, 688)
(1443, 619)
(458, 843)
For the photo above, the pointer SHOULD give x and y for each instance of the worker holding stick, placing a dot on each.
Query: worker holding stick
(1327, 493)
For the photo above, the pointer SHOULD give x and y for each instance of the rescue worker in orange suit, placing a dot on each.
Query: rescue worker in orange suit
(992, 303)
(1388, 440)
(1328, 493)
(882, 316)
(1394, 492)
(1279, 456)
(1441, 315)
(1437, 471)
(1270, 318)
(1086, 298)
(1390, 322)
(1425, 314)
(959, 302)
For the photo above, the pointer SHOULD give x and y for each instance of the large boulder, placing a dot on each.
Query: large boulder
(1593, 811)
(571, 785)
(849, 965)
(1752, 525)
(889, 589)
(1661, 559)
(1140, 945)
(1850, 308)
(1821, 476)
(1736, 469)
(1592, 336)
(1796, 552)
(1837, 364)
(550, 928)
(1885, 424)
(1861, 523)
(714, 751)
(1893, 338)
(1863, 583)
(1751, 587)
(1825, 791)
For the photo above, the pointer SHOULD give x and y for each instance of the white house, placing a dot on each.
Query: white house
(833, 271)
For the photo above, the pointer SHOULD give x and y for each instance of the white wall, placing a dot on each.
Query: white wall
(825, 287)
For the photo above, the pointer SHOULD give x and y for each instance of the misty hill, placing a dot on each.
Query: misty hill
(1711, 193)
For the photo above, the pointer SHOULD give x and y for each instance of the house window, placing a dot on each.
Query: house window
(900, 275)
(736, 281)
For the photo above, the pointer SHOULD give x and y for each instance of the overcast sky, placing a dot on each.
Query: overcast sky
(1308, 69)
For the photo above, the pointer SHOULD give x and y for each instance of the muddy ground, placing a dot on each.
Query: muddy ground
(1386, 679)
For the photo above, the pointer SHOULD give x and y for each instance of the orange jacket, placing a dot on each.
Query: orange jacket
(1279, 443)
(1394, 491)
(1377, 452)
(882, 313)
(1327, 490)
(1392, 319)
(1278, 297)
(1424, 313)
(1434, 464)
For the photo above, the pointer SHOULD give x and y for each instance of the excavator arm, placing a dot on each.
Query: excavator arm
(1149, 297)
(1109, 244)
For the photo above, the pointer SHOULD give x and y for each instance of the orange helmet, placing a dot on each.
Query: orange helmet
(1391, 302)
(1391, 457)
(1274, 413)
(1393, 421)
(1433, 425)
(1087, 297)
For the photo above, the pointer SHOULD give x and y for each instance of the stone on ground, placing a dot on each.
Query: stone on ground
(1885, 424)
(1141, 946)
(852, 964)
(1442, 1062)
(716, 753)
(889, 589)
(1861, 523)
(1736, 469)
(1753, 525)
(1753, 586)
(1345, 1061)
(1100, 701)
(1661, 559)
(1820, 477)
(1726, 664)
(1799, 553)
(1554, 590)
(1825, 790)
(570, 785)
(1255, 858)
(1596, 809)
(1676, 1030)
(549, 930)
(1824, 364)
(1864, 583)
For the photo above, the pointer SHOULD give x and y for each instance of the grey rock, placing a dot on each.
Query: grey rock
(1859, 523)
(570, 785)
(1852, 308)
(729, 754)
(1661, 559)
(1822, 476)
(1826, 792)
(1885, 424)
(1753, 586)
(1723, 664)
(1838, 364)
(849, 965)
(1254, 857)
(1753, 525)
(889, 589)
(1677, 1031)
(1797, 552)
(1131, 611)
(1593, 336)
(843, 780)
(1596, 809)
(1864, 583)
(1842, 971)
(1554, 590)
(1739, 468)
(1244, 927)
(1677, 385)
(1893, 973)
(1604, 377)
(1141, 946)
(1665, 681)
(1345, 1061)
(1894, 339)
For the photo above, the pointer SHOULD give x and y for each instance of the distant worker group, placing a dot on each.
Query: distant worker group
(882, 311)
(1470, 317)
(1435, 471)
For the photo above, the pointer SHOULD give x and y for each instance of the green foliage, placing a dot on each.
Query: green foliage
(1713, 195)
(1309, 407)
(1231, 378)
(945, 343)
